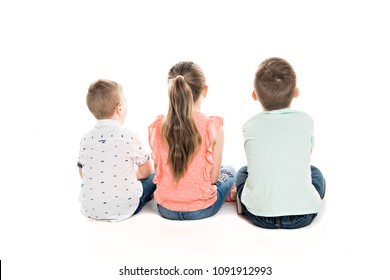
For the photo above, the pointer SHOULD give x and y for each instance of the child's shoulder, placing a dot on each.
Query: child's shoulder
(158, 120)
(202, 116)
(156, 124)
(105, 132)
(286, 113)
(302, 113)
(88, 135)
(208, 122)
(303, 117)
(281, 118)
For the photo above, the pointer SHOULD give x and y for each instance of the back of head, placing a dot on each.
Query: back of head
(102, 98)
(186, 82)
(275, 83)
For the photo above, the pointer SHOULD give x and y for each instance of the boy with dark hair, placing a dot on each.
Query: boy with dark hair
(278, 188)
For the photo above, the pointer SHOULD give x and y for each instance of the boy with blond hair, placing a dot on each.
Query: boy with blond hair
(278, 188)
(113, 189)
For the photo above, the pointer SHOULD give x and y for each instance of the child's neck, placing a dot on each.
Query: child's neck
(197, 106)
(117, 118)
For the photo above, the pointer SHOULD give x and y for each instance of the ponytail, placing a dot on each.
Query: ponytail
(179, 129)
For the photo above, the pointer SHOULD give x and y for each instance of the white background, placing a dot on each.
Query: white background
(51, 51)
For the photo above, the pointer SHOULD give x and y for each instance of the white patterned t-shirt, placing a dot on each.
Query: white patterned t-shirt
(108, 155)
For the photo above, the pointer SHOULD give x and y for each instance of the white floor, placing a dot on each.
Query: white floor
(210, 239)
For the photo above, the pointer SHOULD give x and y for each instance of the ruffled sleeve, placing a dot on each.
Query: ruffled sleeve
(155, 136)
(213, 126)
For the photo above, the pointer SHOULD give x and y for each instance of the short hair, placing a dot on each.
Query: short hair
(275, 83)
(102, 98)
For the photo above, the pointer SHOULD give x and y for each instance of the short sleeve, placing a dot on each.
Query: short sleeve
(140, 155)
(213, 127)
(154, 131)
(312, 140)
(80, 161)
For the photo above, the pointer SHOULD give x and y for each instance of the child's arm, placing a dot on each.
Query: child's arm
(144, 170)
(80, 166)
(217, 156)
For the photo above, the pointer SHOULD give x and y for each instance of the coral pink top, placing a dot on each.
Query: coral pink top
(194, 190)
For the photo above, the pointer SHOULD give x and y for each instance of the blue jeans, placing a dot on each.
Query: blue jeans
(148, 189)
(284, 222)
(224, 185)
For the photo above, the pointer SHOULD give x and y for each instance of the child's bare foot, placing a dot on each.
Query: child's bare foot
(232, 196)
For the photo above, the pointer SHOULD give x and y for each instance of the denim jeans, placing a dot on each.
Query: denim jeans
(148, 189)
(284, 222)
(224, 185)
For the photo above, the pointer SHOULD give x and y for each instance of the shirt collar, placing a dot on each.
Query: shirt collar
(279, 111)
(107, 122)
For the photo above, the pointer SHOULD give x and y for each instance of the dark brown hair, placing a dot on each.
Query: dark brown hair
(102, 98)
(275, 83)
(186, 82)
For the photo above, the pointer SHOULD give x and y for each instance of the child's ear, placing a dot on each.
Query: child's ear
(119, 109)
(296, 94)
(204, 91)
(254, 96)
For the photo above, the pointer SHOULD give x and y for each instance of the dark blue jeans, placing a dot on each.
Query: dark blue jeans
(148, 189)
(283, 222)
(224, 185)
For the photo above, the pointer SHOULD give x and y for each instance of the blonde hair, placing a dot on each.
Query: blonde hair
(186, 82)
(102, 98)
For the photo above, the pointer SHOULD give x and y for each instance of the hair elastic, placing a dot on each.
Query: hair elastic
(179, 76)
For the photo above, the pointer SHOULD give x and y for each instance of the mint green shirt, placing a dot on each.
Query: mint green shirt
(278, 148)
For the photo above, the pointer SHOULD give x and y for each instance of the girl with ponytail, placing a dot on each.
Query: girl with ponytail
(187, 150)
